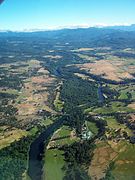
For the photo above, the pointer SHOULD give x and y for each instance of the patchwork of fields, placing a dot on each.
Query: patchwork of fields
(91, 88)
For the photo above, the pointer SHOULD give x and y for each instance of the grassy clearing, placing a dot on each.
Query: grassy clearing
(64, 131)
(54, 159)
(54, 163)
(86, 57)
(33, 131)
(123, 96)
(7, 137)
(89, 110)
(113, 107)
(46, 122)
(10, 91)
(125, 163)
(63, 136)
(92, 127)
(58, 104)
(123, 90)
(113, 124)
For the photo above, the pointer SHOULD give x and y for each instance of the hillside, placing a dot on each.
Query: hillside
(67, 95)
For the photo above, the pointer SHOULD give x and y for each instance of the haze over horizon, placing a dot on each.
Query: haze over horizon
(53, 14)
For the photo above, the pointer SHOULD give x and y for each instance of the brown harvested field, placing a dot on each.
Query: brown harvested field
(31, 101)
(35, 93)
(26, 109)
(28, 101)
(132, 106)
(42, 79)
(103, 155)
(107, 69)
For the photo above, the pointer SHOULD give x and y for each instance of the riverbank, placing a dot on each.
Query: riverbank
(37, 150)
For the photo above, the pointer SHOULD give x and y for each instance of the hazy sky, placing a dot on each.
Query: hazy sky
(33, 14)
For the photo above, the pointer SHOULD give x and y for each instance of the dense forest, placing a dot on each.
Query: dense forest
(76, 91)
(13, 159)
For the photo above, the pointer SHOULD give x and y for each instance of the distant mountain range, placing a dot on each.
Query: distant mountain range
(115, 27)
(123, 28)
(109, 36)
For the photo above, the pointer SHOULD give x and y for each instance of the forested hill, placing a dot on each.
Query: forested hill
(87, 37)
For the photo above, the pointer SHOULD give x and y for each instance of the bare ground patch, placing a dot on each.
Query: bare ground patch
(107, 70)
(132, 105)
(100, 162)
(36, 91)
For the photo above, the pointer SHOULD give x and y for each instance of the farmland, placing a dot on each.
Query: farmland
(47, 81)
(53, 156)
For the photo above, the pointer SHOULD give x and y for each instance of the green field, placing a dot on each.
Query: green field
(64, 131)
(63, 136)
(112, 123)
(124, 90)
(54, 163)
(92, 127)
(54, 159)
(123, 95)
(58, 104)
(46, 122)
(33, 131)
(124, 168)
(113, 107)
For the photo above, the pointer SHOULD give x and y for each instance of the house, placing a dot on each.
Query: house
(86, 134)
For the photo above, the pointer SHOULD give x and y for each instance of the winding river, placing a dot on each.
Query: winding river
(37, 149)
(100, 94)
(38, 145)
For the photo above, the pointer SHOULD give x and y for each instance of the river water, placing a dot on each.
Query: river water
(37, 149)
(100, 94)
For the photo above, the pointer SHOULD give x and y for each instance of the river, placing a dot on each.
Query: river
(38, 145)
(37, 149)
(100, 94)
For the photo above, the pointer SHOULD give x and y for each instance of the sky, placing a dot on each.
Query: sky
(49, 14)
